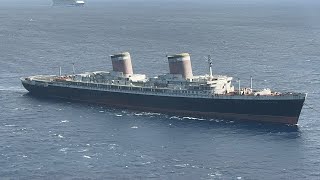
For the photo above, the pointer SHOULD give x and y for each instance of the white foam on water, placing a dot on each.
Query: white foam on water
(83, 150)
(175, 117)
(63, 149)
(101, 111)
(20, 109)
(112, 146)
(150, 113)
(216, 174)
(10, 125)
(146, 163)
(24, 156)
(119, 115)
(147, 114)
(85, 156)
(64, 121)
(60, 136)
(193, 118)
(239, 177)
(134, 127)
(14, 89)
(181, 165)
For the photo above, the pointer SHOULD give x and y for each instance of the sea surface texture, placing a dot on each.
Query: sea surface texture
(276, 42)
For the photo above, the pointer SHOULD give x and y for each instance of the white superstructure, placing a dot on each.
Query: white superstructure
(68, 2)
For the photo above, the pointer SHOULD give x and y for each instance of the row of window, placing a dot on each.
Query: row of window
(140, 89)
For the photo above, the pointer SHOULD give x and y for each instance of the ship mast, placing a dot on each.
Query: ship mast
(73, 69)
(210, 66)
(239, 86)
(251, 82)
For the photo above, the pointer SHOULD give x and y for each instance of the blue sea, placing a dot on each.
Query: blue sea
(276, 42)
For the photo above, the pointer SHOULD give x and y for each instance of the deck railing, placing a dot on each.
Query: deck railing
(161, 91)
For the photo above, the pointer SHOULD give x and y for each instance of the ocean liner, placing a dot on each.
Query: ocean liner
(68, 2)
(178, 92)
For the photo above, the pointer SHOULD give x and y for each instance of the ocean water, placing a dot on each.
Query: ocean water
(276, 42)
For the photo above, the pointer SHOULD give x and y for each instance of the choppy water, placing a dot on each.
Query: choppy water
(277, 43)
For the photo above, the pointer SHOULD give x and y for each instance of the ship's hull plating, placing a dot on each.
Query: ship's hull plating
(277, 111)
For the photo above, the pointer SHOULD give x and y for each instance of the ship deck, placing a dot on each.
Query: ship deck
(52, 80)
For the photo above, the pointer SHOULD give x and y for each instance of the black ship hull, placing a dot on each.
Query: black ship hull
(276, 111)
